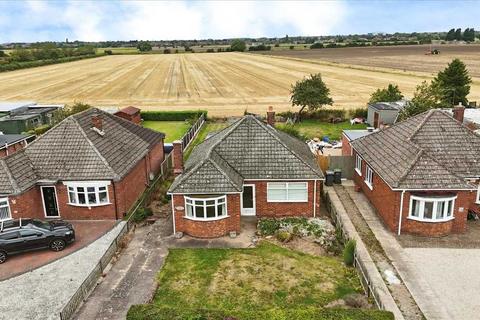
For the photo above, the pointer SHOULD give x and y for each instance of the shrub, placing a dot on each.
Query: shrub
(108, 52)
(267, 226)
(359, 113)
(349, 252)
(317, 45)
(283, 236)
(41, 129)
(291, 130)
(142, 214)
(322, 114)
(171, 115)
(292, 47)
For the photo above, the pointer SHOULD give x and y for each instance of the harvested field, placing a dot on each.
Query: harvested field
(408, 58)
(222, 83)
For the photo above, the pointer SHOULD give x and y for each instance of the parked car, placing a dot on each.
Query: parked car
(23, 235)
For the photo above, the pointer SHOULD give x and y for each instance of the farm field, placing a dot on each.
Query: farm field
(222, 83)
(408, 58)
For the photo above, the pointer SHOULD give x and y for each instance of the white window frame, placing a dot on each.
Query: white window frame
(56, 199)
(85, 185)
(271, 184)
(218, 201)
(358, 164)
(369, 177)
(478, 194)
(8, 207)
(435, 201)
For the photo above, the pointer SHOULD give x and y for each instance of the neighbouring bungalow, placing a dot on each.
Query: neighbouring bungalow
(131, 114)
(18, 117)
(11, 143)
(422, 175)
(247, 169)
(92, 165)
(384, 113)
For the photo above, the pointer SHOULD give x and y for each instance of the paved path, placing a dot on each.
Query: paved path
(444, 282)
(42, 293)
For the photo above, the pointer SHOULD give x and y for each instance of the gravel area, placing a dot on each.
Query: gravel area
(42, 293)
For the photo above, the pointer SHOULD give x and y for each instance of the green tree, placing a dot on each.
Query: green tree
(144, 46)
(389, 94)
(450, 35)
(469, 34)
(458, 34)
(238, 45)
(453, 83)
(310, 93)
(69, 110)
(427, 96)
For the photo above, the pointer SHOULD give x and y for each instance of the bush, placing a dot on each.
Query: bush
(142, 214)
(291, 130)
(37, 63)
(349, 252)
(359, 113)
(41, 129)
(292, 47)
(323, 114)
(171, 115)
(108, 52)
(283, 236)
(268, 227)
(317, 45)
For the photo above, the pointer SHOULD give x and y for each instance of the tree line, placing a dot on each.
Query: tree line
(48, 52)
(456, 34)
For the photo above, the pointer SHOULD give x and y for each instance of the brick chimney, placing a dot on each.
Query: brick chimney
(271, 116)
(177, 157)
(459, 112)
(97, 122)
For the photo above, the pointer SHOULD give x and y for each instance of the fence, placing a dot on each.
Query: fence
(192, 133)
(345, 163)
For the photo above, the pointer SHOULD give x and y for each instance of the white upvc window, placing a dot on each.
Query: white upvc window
(88, 193)
(287, 192)
(5, 213)
(478, 195)
(358, 165)
(205, 209)
(431, 209)
(369, 177)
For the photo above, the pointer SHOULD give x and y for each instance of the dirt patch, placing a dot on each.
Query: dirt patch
(302, 245)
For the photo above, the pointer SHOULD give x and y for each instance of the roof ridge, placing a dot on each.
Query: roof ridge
(95, 149)
(422, 123)
(410, 167)
(230, 130)
(10, 176)
(223, 173)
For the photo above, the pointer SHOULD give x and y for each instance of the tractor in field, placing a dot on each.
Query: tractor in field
(432, 52)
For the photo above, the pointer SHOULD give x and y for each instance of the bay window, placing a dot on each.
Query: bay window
(4, 209)
(212, 208)
(287, 192)
(431, 209)
(88, 194)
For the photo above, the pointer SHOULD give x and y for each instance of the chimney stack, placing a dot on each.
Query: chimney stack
(177, 157)
(97, 122)
(459, 112)
(271, 116)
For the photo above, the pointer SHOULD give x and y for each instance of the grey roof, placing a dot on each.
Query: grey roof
(355, 134)
(397, 105)
(11, 139)
(429, 151)
(73, 151)
(248, 149)
(470, 115)
(7, 106)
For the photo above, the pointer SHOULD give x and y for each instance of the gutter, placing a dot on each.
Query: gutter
(401, 213)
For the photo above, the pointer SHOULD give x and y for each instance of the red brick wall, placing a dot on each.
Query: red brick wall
(11, 149)
(135, 118)
(346, 147)
(284, 209)
(27, 205)
(131, 187)
(156, 157)
(208, 229)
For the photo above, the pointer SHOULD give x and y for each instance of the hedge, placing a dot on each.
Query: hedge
(326, 114)
(152, 312)
(38, 63)
(171, 115)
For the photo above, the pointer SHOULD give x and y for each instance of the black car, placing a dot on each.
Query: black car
(22, 235)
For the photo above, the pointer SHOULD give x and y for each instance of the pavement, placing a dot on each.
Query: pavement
(85, 233)
(443, 281)
(43, 292)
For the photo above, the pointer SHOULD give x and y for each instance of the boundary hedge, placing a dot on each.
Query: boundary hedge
(38, 63)
(172, 115)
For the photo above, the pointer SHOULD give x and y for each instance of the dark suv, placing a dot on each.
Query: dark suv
(22, 235)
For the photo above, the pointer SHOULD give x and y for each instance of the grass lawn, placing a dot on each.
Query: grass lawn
(173, 130)
(316, 129)
(206, 129)
(265, 279)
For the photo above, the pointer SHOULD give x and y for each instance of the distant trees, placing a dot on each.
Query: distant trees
(450, 35)
(456, 34)
(238, 45)
(48, 52)
(453, 83)
(469, 35)
(316, 45)
(389, 94)
(260, 47)
(310, 93)
(144, 46)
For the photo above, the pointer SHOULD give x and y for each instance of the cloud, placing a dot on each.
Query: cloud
(124, 20)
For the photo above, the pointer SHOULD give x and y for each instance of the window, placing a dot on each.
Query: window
(287, 192)
(206, 208)
(478, 194)
(369, 177)
(4, 209)
(431, 209)
(88, 194)
(358, 165)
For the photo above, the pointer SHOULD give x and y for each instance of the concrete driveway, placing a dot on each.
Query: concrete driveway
(85, 233)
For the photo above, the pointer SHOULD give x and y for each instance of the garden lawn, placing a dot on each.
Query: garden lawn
(173, 130)
(208, 127)
(316, 129)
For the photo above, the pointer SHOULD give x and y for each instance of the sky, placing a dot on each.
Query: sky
(31, 21)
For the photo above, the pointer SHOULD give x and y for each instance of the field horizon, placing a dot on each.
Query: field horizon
(222, 83)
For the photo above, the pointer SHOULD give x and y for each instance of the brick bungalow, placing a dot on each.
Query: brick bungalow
(93, 165)
(131, 114)
(247, 169)
(11, 143)
(422, 175)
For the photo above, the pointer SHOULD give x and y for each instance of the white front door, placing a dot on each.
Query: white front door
(248, 200)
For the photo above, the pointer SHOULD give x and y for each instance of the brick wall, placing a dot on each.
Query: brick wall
(207, 229)
(11, 149)
(135, 118)
(156, 157)
(131, 187)
(346, 147)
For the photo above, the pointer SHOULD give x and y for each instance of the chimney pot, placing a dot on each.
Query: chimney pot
(177, 157)
(459, 112)
(271, 116)
(97, 122)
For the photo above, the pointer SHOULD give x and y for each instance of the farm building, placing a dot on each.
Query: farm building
(384, 113)
(18, 117)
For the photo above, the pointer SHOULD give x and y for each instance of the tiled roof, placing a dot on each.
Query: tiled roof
(72, 150)
(129, 110)
(248, 149)
(12, 138)
(429, 151)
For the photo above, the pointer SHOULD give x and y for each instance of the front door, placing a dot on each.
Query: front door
(248, 200)
(376, 117)
(49, 196)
